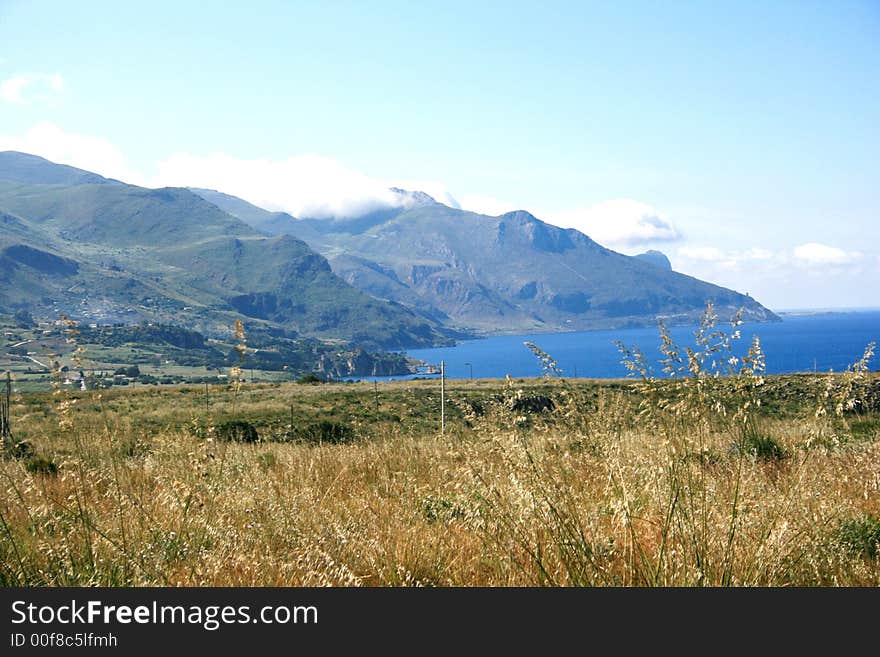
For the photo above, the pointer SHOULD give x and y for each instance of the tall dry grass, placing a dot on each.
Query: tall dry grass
(675, 480)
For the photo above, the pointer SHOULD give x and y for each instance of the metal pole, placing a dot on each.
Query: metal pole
(5, 431)
(442, 396)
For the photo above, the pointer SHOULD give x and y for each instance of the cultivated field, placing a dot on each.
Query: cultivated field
(694, 480)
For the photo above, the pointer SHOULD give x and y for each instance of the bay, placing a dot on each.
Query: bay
(802, 342)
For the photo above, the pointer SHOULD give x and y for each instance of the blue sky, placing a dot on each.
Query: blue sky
(739, 138)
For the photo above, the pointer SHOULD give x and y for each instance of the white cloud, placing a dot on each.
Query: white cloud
(28, 87)
(690, 259)
(728, 259)
(757, 253)
(83, 151)
(807, 276)
(620, 222)
(436, 190)
(304, 186)
(704, 253)
(811, 255)
(814, 253)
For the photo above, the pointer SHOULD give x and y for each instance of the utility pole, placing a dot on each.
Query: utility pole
(442, 396)
(471, 369)
(376, 390)
(5, 430)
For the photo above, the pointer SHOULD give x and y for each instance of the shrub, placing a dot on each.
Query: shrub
(473, 407)
(41, 465)
(310, 379)
(20, 450)
(861, 536)
(327, 431)
(532, 404)
(238, 431)
(864, 429)
(761, 446)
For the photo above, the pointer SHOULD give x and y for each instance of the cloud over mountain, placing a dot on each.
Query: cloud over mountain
(83, 151)
(304, 185)
(620, 223)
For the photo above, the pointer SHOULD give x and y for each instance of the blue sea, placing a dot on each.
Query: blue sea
(802, 342)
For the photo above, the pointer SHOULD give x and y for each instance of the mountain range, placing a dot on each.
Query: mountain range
(510, 273)
(98, 249)
(420, 274)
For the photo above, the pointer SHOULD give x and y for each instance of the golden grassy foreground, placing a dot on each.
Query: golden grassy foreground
(620, 484)
(692, 478)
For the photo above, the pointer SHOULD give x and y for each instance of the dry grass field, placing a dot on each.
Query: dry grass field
(693, 480)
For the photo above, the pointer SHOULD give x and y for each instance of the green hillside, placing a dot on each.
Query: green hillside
(112, 252)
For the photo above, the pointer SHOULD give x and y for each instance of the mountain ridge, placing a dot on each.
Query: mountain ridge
(110, 252)
(505, 274)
